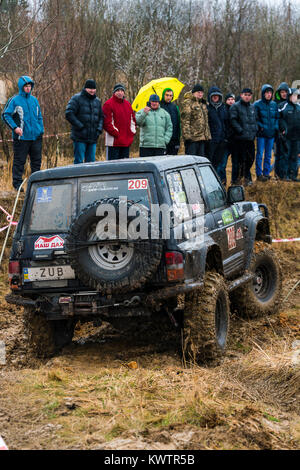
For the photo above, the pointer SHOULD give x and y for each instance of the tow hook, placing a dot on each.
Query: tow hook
(133, 302)
(67, 305)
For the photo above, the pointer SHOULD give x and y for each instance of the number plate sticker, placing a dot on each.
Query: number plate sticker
(47, 273)
(135, 185)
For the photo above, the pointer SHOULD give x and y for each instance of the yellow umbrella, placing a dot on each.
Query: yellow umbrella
(157, 87)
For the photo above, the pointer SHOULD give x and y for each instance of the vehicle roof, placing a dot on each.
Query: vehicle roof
(131, 165)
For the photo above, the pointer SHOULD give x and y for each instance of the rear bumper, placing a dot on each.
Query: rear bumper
(93, 303)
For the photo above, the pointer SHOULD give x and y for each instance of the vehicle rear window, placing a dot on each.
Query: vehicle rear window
(135, 189)
(52, 208)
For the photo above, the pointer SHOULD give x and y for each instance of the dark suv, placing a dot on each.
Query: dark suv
(129, 238)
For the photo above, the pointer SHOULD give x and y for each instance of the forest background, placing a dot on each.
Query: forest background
(61, 43)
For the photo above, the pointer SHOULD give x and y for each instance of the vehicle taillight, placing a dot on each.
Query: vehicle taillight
(14, 274)
(175, 266)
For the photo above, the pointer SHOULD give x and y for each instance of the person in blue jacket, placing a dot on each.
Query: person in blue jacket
(22, 114)
(267, 121)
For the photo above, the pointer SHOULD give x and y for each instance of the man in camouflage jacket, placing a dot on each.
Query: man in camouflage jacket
(194, 122)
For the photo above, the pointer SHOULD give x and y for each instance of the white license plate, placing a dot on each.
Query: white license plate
(47, 273)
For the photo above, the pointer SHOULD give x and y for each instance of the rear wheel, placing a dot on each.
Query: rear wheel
(206, 321)
(262, 295)
(46, 337)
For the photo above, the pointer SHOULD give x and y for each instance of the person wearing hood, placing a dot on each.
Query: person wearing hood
(119, 124)
(22, 114)
(218, 120)
(194, 121)
(84, 113)
(280, 98)
(289, 126)
(281, 94)
(173, 110)
(156, 128)
(267, 121)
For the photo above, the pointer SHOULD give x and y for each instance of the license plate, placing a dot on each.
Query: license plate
(47, 273)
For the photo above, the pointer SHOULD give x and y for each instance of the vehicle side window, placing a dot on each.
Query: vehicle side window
(193, 191)
(214, 191)
(178, 196)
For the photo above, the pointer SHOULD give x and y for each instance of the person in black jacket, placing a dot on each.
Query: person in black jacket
(289, 126)
(244, 125)
(84, 112)
(230, 148)
(218, 120)
(166, 104)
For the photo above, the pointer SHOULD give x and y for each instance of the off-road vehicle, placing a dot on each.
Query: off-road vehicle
(72, 259)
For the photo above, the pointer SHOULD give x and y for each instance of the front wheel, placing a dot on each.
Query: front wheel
(206, 321)
(262, 295)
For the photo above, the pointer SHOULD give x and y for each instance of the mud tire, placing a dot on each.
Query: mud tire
(263, 295)
(46, 337)
(206, 322)
(142, 263)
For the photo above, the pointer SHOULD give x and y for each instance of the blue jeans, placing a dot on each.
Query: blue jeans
(84, 152)
(221, 168)
(263, 145)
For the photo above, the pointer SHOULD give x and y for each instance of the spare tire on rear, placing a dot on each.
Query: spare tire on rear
(112, 265)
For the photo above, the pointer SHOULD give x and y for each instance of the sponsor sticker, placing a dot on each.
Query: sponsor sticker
(235, 212)
(227, 217)
(239, 234)
(44, 195)
(44, 243)
(231, 237)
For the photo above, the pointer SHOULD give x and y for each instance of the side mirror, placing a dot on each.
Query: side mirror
(235, 194)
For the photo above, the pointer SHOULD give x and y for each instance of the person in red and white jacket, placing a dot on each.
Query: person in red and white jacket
(119, 124)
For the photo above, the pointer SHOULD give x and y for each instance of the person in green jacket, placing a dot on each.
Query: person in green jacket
(156, 128)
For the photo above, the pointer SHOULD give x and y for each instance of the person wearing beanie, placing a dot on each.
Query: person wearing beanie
(267, 120)
(119, 124)
(84, 113)
(156, 128)
(280, 98)
(289, 127)
(173, 110)
(230, 148)
(218, 120)
(22, 114)
(243, 122)
(194, 121)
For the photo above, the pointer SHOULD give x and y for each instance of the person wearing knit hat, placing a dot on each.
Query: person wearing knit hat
(156, 128)
(84, 113)
(194, 121)
(167, 104)
(230, 149)
(243, 122)
(289, 127)
(119, 124)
